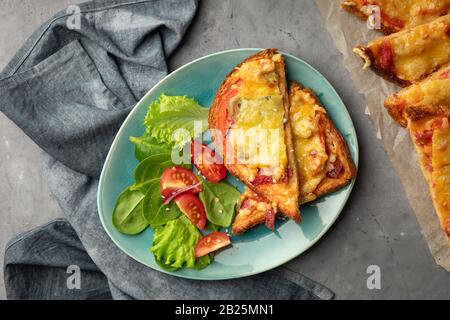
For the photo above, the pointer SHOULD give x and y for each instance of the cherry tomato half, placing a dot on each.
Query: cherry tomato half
(193, 208)
(211, 242)
(177, 178)
(209, 164)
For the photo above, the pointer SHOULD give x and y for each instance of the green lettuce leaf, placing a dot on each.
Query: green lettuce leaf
(170, 113)
(146, 146)
(174, 245)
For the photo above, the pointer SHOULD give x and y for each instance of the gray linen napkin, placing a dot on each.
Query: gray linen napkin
(69, 89)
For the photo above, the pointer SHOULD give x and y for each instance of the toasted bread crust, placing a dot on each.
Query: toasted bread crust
(244, 222)
(369, 61)
(329, 185)
(415, 113)
(288, 206)
(418, 97)
(391, 104)
(293, 180)
(247, 219)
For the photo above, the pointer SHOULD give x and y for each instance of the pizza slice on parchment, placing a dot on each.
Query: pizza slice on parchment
(432, 91)
(409, 56)
(397, 15)
(430, 131)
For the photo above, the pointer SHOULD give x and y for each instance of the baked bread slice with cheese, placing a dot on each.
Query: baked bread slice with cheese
(323, 161)
(252, 211)
(249, 123)
(409, 56)
(397, 15)
(432, 91)
(430, 131)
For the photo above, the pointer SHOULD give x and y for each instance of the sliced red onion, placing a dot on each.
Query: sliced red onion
(337, 169)
(180, 191)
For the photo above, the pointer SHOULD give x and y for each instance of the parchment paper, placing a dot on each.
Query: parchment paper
(348, 31)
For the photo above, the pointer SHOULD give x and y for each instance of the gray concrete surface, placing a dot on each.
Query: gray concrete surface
(377, 227)
(24, 197)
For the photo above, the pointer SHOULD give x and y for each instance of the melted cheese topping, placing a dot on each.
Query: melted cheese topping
(441, 170)
(258, 131)
(254, 204)
(260, 79)
(422, 143)
(419, 51)
(309, 147)
(411, 12)
(432, 91)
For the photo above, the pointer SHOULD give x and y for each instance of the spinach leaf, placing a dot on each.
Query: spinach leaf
(219, 200)
(146, 146)
(128, 216)
(150, 168)
(155, 212)
(211, 226)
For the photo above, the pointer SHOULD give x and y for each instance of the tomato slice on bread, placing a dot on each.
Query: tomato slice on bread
(178, 178)
(193, 208)
(223, 118)
(208, 162)
(211, 242)
(386, 58)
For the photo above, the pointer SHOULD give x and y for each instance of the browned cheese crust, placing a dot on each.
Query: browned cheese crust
(431, 92)
(367, 56)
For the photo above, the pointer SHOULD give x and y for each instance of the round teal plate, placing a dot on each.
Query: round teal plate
(258, 249)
